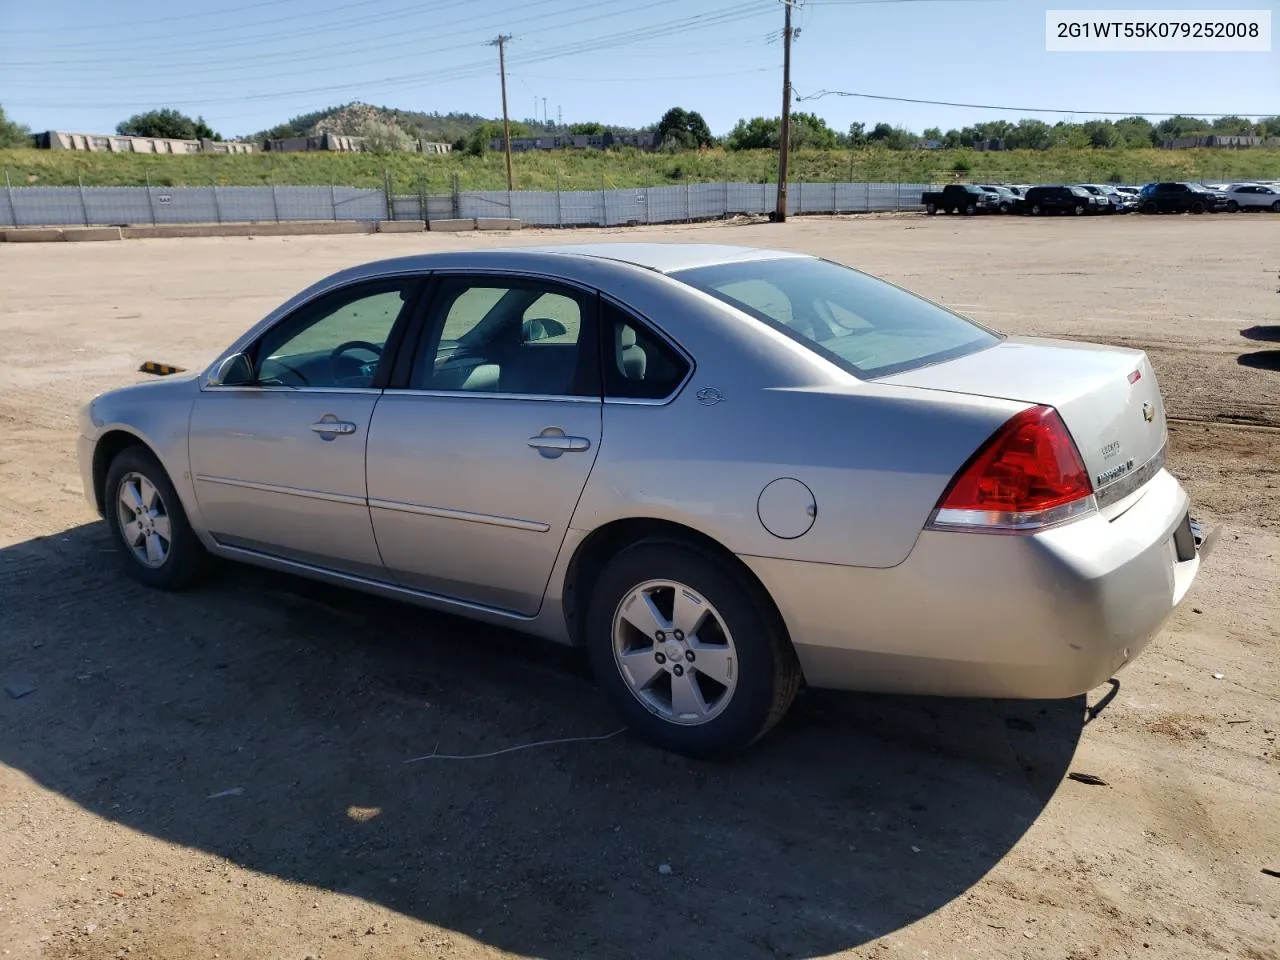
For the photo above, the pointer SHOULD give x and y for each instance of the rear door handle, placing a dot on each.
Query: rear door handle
(330, 427)
(562, 443)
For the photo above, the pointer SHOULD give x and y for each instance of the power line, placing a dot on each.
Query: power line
(465, 71)
(989, 106)
(404, 38)
(150, 20)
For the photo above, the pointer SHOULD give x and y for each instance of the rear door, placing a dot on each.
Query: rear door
(480, 448)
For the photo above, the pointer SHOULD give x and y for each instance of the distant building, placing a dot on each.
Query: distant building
(996, 143)
(118, 143)
(1220, 141)
(331, 142)
(579, 141)
(930, 144)
(336, 143)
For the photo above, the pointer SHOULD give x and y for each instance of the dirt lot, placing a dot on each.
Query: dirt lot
(871, 827)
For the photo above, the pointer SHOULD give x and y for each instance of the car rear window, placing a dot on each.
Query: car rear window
(867, 326)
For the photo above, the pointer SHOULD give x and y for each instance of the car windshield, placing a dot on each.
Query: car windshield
(1199, 188)
(864, 325)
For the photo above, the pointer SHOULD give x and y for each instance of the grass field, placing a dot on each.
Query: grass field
(410, 173)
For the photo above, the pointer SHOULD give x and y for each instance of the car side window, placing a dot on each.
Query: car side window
(519, 337)
(336, 340)
(638, 364)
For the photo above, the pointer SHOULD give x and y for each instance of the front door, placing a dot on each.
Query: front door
(278, 462)
(476, 464)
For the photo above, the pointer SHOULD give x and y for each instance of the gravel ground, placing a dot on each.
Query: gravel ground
(221, 773)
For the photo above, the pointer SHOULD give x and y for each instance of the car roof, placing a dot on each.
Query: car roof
(661, 257)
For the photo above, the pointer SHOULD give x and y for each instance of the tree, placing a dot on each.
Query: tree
(857, 134)
(383, 137)
(809, 131)
(13, 134)
(932, 133)
(589, 129)
(1029, 134)
(758, 133)
(683, 129)
(166, 123)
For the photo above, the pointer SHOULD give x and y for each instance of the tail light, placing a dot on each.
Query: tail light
(1027, 476)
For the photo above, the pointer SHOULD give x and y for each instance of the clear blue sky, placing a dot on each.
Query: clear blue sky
(84, 65)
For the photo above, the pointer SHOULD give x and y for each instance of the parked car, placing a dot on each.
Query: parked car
(1252, 196)
(1180, 198)
(1054, 199)
(1116, 202)
(720, 471)
(1006, 200)
(966, 198)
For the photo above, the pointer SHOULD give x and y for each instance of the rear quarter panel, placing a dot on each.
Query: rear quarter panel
(876, 459)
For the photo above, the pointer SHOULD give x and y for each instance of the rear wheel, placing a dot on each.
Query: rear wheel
(1037, 210)
(1232, 206)
(1078, 209)
(695, 660)
(1198, 207)
(970, 209)
(1150, 207)
(155, 542)
(931, 209)
(1275, 207)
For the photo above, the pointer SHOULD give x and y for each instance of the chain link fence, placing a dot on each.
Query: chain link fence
(29, 206)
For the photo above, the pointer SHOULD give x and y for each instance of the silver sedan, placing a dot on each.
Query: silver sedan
(723, 472)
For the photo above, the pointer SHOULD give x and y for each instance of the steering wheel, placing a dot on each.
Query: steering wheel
(342, 348)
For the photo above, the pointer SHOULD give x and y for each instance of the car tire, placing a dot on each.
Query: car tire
(931, 209)
(1078, 209)
(1150, 207)
(1198, 207)
(1037, 210)
(756, 657)
(1275, 207)
(174, 562)
(1233, 207)
(970, 210)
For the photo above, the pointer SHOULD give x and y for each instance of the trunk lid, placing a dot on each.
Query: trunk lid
(1107, 396)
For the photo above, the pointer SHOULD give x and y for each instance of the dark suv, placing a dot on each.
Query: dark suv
(1041, 200)
(1180, 198)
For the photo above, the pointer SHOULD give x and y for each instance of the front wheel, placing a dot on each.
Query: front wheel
(1037, 210)
(1232, 206)
(970, 210)
(155, 542)
(1078, 209)
(931, 209)
(695, 660)
(1275, 207)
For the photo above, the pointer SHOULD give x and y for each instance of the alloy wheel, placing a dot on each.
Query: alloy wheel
(674, 652)
(144, 520)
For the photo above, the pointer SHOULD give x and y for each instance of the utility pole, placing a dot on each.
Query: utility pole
(501, 44)
(784, 134)
(544, 109)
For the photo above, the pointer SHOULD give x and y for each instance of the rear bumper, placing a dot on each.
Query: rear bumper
(1045, 616)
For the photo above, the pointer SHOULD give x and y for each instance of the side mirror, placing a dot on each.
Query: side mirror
(235, 371)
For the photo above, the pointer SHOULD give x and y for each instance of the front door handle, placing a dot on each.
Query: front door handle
(559, 442)
(330, 426)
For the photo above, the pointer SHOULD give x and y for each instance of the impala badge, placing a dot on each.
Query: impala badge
(1148, 412)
